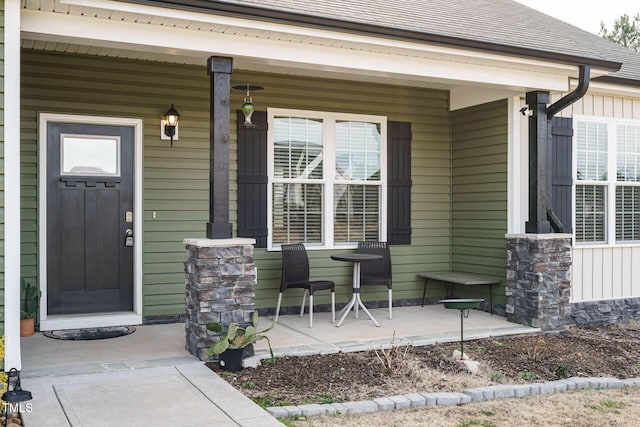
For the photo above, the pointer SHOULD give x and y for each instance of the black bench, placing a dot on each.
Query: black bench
(465, 279)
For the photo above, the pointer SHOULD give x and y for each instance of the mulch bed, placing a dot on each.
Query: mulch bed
(611, 351)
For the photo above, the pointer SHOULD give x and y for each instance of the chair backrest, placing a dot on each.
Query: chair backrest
(295, 265)
(379, 269)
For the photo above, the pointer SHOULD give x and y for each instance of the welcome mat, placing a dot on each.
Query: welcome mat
(90, 333)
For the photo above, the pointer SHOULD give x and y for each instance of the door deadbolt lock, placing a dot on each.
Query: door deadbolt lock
(128, 239)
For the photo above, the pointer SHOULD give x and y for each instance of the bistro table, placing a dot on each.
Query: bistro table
(356, 301)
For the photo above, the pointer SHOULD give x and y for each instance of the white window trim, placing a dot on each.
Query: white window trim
(610, 184)
(328, 118)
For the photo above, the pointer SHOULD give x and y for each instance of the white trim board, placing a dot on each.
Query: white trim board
(362, 58)
(11, 63)
(92, 321)
(89, 320)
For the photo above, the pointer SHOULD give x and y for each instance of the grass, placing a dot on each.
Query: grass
(469, 423)
(527, 375)
(497, 377)
(562, 371)
(583, 408)
(290, 421)
(607, 406)
(327, 399)
(266, 400)
(269, 361)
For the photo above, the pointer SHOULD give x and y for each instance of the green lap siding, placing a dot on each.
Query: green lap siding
(479, 191)
(176, 180)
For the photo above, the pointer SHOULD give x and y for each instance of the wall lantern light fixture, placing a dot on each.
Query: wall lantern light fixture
(169, 124)
(247, 105)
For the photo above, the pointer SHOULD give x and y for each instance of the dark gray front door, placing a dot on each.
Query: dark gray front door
(89, 217)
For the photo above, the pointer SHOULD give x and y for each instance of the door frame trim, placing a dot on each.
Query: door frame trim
(90, 320)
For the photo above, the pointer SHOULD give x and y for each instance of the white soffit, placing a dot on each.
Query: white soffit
(119, 29)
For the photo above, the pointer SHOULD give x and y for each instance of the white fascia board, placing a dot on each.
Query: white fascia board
(317, 33)
(612, 89)
(49, 26)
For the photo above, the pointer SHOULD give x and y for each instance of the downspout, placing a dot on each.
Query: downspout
(579, 92)
(555, 108)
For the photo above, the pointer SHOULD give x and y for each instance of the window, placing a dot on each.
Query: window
(607, 181)
(90, 155)
(326, 178)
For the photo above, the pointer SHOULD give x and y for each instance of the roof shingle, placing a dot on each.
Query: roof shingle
(499, 25)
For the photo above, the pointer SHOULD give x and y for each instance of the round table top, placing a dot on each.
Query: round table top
(356, 257)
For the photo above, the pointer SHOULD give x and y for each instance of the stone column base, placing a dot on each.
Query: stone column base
(539, 280)
(220, 287)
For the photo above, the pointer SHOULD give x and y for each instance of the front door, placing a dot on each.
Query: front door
(90, 234)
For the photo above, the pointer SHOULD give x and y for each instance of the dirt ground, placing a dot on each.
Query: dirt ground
(612, 351)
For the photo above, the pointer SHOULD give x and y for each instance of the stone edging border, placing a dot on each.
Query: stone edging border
(414, 400)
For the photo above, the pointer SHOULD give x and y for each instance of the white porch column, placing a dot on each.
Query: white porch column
(12, 184)
(518, 167)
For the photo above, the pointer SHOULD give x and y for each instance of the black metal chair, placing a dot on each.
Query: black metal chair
(377, 273)
(295, 274)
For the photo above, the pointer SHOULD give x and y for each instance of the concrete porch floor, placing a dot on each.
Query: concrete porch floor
(164, 345)
(149, 379)
(414, 325)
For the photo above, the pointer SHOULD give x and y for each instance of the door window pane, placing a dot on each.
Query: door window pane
(90, 155)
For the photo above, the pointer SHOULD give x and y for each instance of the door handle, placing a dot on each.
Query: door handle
(128, 237)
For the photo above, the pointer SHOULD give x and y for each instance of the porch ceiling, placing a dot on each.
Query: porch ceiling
(124, 30)
(239, 63)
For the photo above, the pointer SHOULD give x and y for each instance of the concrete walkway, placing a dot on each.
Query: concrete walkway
(148, 379)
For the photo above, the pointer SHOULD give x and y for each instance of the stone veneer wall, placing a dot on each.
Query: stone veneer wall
(590, 313)
(220, 287)
(539, 280)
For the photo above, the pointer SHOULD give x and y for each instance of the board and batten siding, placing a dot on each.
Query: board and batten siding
(604, 272)
(176, 180)
(479, 192)
(2, 167)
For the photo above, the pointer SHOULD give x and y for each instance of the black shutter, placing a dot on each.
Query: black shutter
(399, 183)
(252, 178)
(561, 178)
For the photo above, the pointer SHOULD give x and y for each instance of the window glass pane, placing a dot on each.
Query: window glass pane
(356, 212)
(592, 151)
(628, 153)
(627, 213)
(298, 148)
(297, 213)
(590, 213)
(90, 155)
(358, 151)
